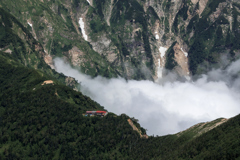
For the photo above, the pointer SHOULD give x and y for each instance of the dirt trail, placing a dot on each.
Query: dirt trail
(136, 129)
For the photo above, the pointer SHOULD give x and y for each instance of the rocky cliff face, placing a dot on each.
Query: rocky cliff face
(136, 39)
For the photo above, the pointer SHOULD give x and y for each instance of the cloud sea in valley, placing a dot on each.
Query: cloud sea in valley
(165, 108)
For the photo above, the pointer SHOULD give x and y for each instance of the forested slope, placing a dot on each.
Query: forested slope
(18, 41)
(46, 122)
(220, 143)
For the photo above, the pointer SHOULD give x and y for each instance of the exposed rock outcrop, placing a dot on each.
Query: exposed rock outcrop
(181, 58)
(48, 59)
(76, 56)
(127, 35)
(136, 129)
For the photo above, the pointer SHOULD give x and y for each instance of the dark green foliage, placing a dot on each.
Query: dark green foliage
(170, 62)
(46, 121)
(57, 48)
(208, 40)
(9, 38)
(152, 15)
(183, 12)
(181, 15)
(232, 54)
(76, 3)
(203, 24)
(166, 24)
(99, 7)
(140, 18)
(220, 143)
(64, 11)
(196, 55)
(191, 25)
(97, 22)
(219, 39)
(175, 25)
(211, 7)
(222, 20)
(53, 28)
(131, 12)
(167, 5)
(119, 7)
(96, 26)
(236, 29)
(124, 50)
(229, 39)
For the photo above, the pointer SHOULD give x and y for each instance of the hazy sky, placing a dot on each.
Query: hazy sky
(167, 108)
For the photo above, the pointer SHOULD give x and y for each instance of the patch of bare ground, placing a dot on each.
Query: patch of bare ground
(136, 129)
(48, 59)
(76, 56)
(8, 51)
(202, 4)
(182, 60)
(47, 82)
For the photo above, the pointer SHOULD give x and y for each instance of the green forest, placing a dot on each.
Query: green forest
(47, 121)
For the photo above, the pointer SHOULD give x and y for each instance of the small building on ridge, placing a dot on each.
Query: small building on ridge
(96, 113)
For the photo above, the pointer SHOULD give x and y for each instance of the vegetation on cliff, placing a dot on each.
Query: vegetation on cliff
(45, 121)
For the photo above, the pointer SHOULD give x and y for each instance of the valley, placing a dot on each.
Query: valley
(162, 74)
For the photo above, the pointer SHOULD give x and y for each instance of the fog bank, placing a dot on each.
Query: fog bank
(167, 108)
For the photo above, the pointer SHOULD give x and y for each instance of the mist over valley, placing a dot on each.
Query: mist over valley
(164, 108)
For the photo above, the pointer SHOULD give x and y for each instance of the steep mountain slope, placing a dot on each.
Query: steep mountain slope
(218, 143)
(130, 37)
(55, 26)
(17, 41)
(40, 121)
(44, 121)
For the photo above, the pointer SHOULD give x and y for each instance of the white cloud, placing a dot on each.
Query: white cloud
(234, 68)
(167, 108)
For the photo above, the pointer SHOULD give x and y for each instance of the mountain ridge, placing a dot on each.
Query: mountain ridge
(54, 127)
